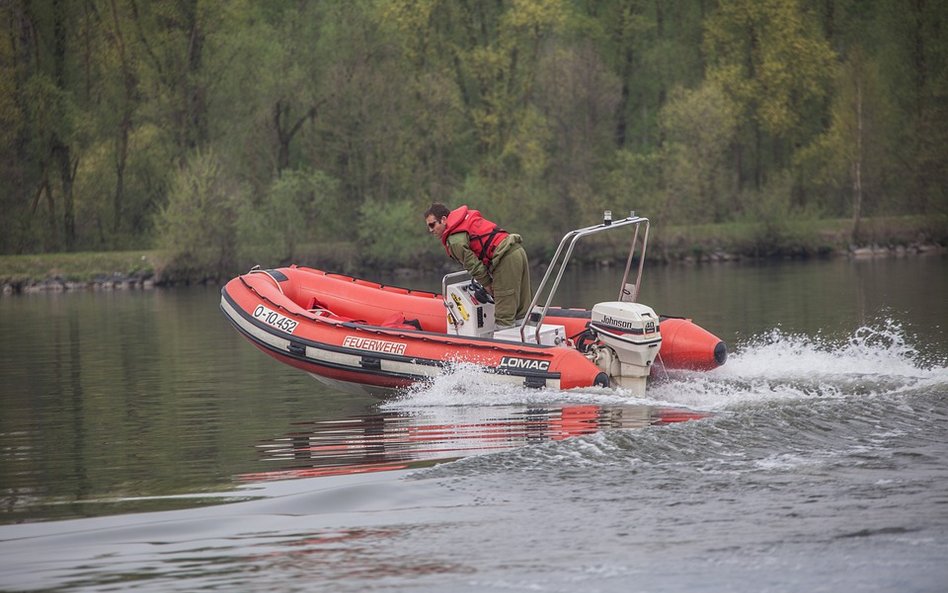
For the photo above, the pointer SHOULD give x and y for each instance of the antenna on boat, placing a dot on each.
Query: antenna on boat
(630, 292)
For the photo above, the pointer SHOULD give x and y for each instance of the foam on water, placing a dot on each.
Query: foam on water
(466, 384)
(883, 349)
(874, 360)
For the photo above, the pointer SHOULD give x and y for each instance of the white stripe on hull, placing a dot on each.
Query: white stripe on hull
(351, 362)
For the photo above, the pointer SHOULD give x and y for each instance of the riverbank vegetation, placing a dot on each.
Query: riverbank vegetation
(218, 133)
(684, 244)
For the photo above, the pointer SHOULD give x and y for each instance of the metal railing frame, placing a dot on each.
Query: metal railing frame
(572, 237)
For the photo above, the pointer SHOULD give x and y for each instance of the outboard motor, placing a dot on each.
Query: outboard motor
(629, 340)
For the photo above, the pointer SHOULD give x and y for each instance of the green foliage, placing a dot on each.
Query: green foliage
(297, 209)
(632, 183)
(392, 234)
(861, 117)
(196, 228)
(773, 61)
(541, 113)
(770, 209)
(700, 126)
(771, 57)
(577, 97)
(146, 182)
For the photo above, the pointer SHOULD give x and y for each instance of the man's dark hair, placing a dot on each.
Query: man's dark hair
(438, 209)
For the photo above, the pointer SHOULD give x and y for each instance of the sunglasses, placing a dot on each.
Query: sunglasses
(431, 225)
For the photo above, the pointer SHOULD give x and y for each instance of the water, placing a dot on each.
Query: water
(144, 446)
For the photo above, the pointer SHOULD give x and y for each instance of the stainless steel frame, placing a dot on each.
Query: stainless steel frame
(572, 237)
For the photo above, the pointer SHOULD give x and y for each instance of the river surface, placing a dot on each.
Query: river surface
(145, 446)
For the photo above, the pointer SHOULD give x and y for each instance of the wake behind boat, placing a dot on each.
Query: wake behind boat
(362, 336)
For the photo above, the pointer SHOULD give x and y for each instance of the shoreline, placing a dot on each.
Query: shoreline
(58, 284)
(103, 281)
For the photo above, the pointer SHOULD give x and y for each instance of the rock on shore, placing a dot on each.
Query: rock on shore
(59, 284)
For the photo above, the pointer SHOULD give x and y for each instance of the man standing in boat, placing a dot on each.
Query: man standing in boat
(492, 256)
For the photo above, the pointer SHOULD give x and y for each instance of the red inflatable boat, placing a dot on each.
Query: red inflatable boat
(359, 335)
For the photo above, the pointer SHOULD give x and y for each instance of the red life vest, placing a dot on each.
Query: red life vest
(484, 236)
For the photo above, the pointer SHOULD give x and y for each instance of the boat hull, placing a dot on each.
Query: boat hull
(360, 356)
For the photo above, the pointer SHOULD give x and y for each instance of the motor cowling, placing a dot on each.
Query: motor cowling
(629, 340)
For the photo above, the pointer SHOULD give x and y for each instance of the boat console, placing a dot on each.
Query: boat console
(469, 307)
(470, 312)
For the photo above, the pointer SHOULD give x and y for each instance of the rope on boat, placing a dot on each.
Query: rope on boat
(256, 270)
(664, 371)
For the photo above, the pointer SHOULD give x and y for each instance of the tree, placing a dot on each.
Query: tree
(173, 37)
(129, 104)
(292, 214)
(44, 112)
(912, 50)
(197, 227)
(492, 50)
(273, 78)
(705, 110)
(359, 137)
(577, 97)
(699, 125)
(852, 158)
(771, 58)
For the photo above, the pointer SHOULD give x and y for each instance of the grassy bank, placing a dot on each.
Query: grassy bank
(796, 238)
(733, 241)
(783, 240)
(79, 267)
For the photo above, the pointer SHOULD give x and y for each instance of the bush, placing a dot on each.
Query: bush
(392, 234)
(197, 227)
(770, 208)
(294, 212)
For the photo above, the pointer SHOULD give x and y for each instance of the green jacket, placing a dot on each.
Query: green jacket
(460, 247)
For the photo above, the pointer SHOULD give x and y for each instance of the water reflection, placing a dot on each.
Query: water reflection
(403, 440)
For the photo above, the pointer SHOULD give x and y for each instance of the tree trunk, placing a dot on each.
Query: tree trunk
(662, 83)
(121, 162)
(622, 110)
(59, 148)
(285, 135)
(125, 126)
(51, 213)
(857, 164)
(921, 92)
(195, 131)
(67, 175)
